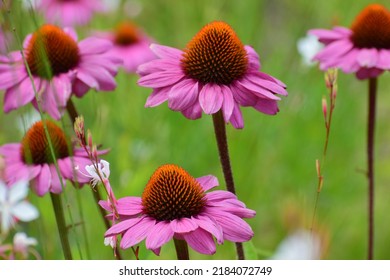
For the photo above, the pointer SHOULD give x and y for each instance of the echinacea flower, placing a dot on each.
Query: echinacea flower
(32, 159)
(214, 72)
(129, 44)
(70, 12)
(364, 48)
(13, 205)
(176, 205)
(60, 66)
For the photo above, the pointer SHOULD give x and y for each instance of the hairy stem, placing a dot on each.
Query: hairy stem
(181, 249)
(220, 135)
(372, 88)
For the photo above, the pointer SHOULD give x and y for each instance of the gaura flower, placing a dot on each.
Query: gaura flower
(13, 205)
(60, 66)
(364, 48)
(70, 12)
(176, 205)
(129, 44)
(308, 47)
(214, 72)
(32, 160)
(22, 244)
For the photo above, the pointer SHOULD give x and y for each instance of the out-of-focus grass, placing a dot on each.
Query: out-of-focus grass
(273, 157)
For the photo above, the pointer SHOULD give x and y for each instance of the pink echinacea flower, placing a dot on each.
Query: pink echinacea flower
(70, 12)
(32, 160)
(176, 205)
(214, 72)
(364, 48)
(129, 44)
(60, 66)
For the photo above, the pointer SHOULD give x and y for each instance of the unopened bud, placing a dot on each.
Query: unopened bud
(331, 77)
(324, 107)
(89, 138)
(79, 129)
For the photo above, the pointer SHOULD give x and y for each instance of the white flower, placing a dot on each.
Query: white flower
(308, 47)
(103, 170)
(301, 245)
(110, 241)
(22, 242)
(13, 207)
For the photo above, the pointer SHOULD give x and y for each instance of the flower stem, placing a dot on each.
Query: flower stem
(372, 88)
(220, 135)
(62, 230)
(181, 249)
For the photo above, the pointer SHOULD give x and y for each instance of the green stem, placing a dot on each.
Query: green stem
(181, 249)
(61, 225)
(372, 89)
(220, 135)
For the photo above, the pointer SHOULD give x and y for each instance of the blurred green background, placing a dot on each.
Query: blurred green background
(273, 157)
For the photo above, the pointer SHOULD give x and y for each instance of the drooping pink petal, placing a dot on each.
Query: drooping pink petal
(20, 94)
(228, 103)
(266, 106)
(368, 57)
(253, 58)
(193, 112)
(93, 45)
(201, 241)
(158, 65)
(158, 96)
(183, 94)
(42, 183)
(209, 224)
(183, 225)
(56, 185)
(211, 98)
(137, 233)
(383, 59)
(236, 119)
(160, 234)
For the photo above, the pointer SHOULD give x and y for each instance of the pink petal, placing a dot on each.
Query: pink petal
(211, 98)
(42, 183)
(93, 45)
(384, 59)
(201, 241)
(236, 119)
(365, 73)
(228, 103)
(234, 228)
(253, 58)
(243, 96)
(129, 206)
(158, 96)
(56, 186)
(183, 94)
(219, 195)
(208, 182)
(166, 52)
(158, 65)
(266, 106)
(183, 225)
(20, 94)
(209, 224)
(160, 79)
(122, 226)
(137, 233)
(193, 112)
(11, 75)
(367, 57)
(259, 90)
(335, 49)
(160, 234)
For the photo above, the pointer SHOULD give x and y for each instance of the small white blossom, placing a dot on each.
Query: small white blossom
(13, 206)
(22, 242)
(301, 245)
(103, 169)
(308, 47)
(110, 241)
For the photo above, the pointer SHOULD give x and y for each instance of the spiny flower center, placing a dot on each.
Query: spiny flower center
(51, 52)
(172, 193)
(371, 28)
(215, 55)
(35, 147)
(126, 34)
